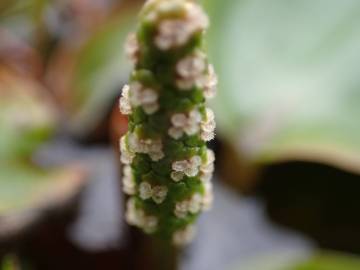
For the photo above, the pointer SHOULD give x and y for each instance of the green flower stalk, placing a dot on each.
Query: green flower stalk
(167, 165)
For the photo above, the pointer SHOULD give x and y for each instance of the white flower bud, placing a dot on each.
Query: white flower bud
(177, 176)
(175, 133)
(150, 224)
(181, 209)
(191, 171)
(132, 48)
(184, 237)
(180, 166)
(124, 104)
(133, 215)
(126, 155)
(128, 181)
(179, 120)
(208, 198)
(195, 203)
(145, 191)
(159, 194)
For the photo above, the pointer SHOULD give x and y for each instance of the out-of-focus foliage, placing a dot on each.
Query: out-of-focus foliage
(98, 72)
(87, 73)
(9, 263)
(27, 116)
(24, 186)
(81, 43)
(289, 78)
(329, 262)
(23, 17)
(321, 261)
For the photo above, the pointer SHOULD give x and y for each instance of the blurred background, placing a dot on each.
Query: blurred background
(288, 139)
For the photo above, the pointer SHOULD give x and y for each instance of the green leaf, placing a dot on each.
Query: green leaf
(330, 262)
(27, 118)
(289, 78)
(24, 187)
(319, 261)
(9, 263)
(101, 69)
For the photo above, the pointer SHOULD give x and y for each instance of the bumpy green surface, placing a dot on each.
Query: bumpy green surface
(156, 69)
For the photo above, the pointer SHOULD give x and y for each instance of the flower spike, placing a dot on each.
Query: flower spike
(167, 165)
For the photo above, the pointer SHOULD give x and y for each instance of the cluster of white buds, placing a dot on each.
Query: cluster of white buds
(129, 186)
(127, 156)
(210, 83)
(176, 31)
(132, 48)
(137, 217)
(185, 124)
(194, 71)
(192, 205)
(188, 167)
(208, 196)
(207, 168)
(208, 126)
(184, 236)
(152, 147)
(125, 106)
(137, 95)
(190, 71)
(192, 124)
(157, 193)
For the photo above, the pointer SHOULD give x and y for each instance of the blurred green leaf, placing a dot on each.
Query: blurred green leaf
(24, 187)
(9, 263)
(330, 262)
(320, 261)
(23, 18)
(26, 116)
(101, 70)
(289, 78)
